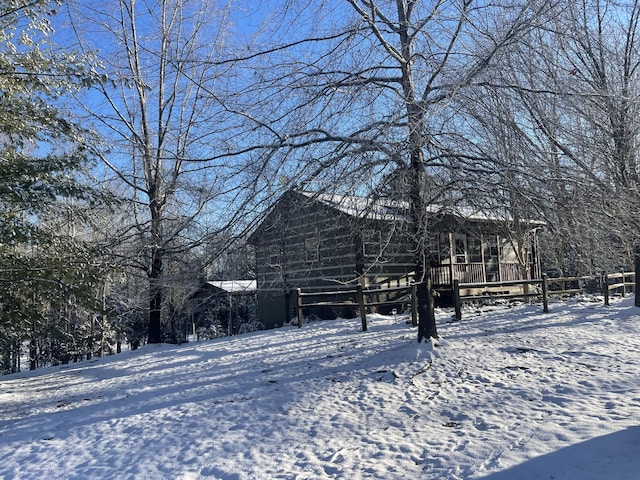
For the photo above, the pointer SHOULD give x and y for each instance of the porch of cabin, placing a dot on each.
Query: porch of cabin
(469, 258)
(479, 258)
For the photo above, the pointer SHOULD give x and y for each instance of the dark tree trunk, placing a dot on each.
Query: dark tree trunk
(155, 299)
(426, 315)
(11, 357)
(427, 324)
(33, 353)
(155, 328)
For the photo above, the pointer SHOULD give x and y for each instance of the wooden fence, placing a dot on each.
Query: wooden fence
(360, 298)
(620, 281)
(544, 288)
(363, 298)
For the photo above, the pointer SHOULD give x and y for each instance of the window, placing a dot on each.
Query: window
(475, 250)
(434, 250)
(491, 248)
(491, 265)
(312, 249)
(460, 246)
(372, 243)
(274, 255)
(445, 248)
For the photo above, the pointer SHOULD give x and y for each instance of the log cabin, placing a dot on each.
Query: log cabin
(320, 242)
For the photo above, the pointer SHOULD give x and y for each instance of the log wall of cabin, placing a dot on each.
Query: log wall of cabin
(306, 245)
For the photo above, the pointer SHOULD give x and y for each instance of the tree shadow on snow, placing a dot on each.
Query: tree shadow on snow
(613, 456)
(515, 318)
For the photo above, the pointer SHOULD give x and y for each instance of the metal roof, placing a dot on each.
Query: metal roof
(388, 209)
(235, 286)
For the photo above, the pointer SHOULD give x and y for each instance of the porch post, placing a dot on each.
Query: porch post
(363, 313)
(499, 258)
(299, 306)
(451, 258)
(536, 264)
(456, 299)
(484, 266)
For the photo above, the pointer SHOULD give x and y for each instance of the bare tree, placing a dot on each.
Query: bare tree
(572, 95)
(173, 138)
(374, 88)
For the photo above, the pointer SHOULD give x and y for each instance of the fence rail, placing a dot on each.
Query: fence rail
(363, 298)
(543, 288)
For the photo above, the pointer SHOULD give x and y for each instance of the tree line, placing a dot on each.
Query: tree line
(141, 140)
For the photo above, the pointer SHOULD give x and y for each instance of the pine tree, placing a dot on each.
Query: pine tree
(44, 266)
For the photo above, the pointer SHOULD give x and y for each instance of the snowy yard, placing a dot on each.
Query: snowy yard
(507, 393)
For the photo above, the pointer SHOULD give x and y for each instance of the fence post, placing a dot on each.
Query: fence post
(624, 285)
(456, 299)
(299, 305)
(363, 314)
(414, 305)
(545, 293)
(605, 288)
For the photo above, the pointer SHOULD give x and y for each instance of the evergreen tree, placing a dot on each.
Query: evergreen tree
(45, 266)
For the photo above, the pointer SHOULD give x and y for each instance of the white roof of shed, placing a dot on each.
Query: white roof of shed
(235, 286)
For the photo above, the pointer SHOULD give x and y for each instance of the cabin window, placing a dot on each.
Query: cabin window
(444, 248)
(274, 255)
(372, 243)
(492, 267)
(494, 250)
(475, 250)
(460, 246)
(434, 250)
(312, 249)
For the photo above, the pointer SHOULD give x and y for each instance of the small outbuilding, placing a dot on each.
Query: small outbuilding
(224, 304)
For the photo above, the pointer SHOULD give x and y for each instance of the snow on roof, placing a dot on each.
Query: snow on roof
(380, 209)
(235, 286)
(388, 209)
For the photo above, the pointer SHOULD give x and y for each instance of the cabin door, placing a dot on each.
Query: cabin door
(460, 249)
(492, 259)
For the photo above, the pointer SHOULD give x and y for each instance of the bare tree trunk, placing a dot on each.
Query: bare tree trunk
(33, 352)
(426, 310)
(155, 298)
(169, 131)
(426, 315)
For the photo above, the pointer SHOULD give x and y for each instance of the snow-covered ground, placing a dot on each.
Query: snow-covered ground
(507, 393)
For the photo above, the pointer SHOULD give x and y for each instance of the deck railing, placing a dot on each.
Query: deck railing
(472, 273)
